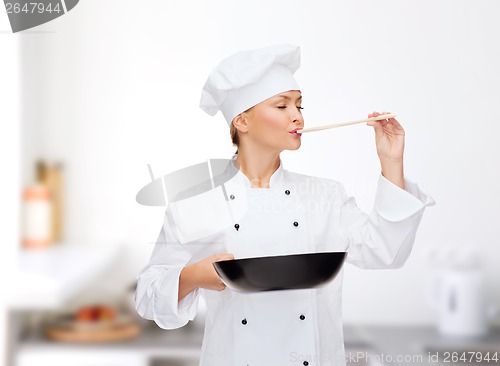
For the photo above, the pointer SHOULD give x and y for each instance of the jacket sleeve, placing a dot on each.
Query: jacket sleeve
(156, 296)
(384, 238)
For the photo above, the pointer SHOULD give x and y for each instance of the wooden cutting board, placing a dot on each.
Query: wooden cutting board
(92, 332)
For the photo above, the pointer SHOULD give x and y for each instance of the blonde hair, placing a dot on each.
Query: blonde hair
(234, 136)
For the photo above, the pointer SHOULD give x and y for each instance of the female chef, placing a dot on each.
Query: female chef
(263, 210)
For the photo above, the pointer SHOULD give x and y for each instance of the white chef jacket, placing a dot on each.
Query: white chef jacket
(297, 214)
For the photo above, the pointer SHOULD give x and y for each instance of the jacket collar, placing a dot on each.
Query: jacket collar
(240, 178)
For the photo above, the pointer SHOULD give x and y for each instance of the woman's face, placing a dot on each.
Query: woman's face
(272, 122)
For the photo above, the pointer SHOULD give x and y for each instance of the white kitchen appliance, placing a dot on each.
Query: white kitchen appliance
(458, 293)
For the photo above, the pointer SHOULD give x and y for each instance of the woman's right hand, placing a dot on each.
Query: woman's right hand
(206, 274)
(202, 274)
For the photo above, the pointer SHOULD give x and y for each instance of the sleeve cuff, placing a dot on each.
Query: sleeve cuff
(396, 204)
(168, 308)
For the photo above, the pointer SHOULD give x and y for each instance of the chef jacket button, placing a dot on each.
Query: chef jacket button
(295, 224)
(287, 192)
(236, 226)
(244, 321)
(302, 317)
(305, 363)
(232, 196)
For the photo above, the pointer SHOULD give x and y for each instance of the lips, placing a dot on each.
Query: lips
(294, 132)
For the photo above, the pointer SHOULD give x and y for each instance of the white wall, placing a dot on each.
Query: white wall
(116, 86)
(10, 161)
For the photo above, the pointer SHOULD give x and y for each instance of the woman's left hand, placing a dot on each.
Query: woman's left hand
(389, 137)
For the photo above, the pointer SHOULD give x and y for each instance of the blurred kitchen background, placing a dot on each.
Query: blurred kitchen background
(91, 98)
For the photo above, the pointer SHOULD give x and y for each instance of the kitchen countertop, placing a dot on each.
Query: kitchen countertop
(410, 345)
(152, 344)
(183, 343)
(385, 343)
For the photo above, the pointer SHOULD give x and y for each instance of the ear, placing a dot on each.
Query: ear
(240, 122)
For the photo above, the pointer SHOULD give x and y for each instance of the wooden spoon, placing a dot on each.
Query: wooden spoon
(324, 127)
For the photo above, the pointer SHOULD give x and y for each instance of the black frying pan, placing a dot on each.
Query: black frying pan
(283, 272)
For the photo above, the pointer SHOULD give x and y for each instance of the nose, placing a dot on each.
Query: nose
(298, 117)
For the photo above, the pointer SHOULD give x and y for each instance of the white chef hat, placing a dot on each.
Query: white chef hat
(247, 78)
